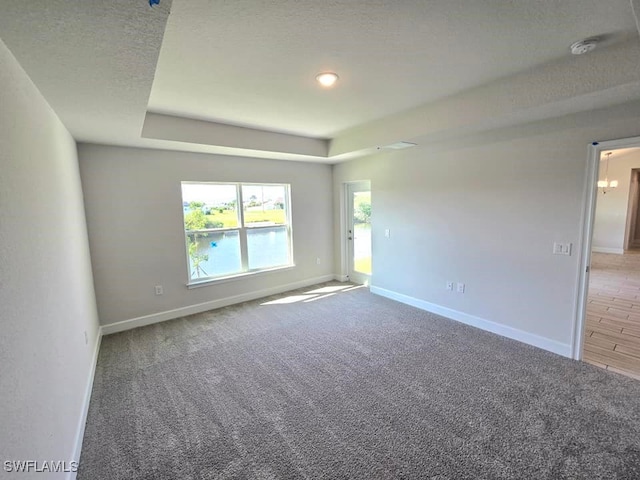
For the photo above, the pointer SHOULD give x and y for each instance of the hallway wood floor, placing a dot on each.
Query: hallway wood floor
(612, 335)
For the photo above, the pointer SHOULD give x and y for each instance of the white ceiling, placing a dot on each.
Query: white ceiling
(410, 69)
(94, 61)
(253, 63)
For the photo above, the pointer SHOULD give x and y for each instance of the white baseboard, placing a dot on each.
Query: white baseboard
(481, 323)
(77, 450)
(203, 307)
(617, 251)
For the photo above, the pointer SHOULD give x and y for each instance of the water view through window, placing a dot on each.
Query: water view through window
(223, 239)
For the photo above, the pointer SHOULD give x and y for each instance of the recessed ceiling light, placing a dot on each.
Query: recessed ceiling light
(327, 79)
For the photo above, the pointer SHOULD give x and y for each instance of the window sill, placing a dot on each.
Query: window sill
(238, 276)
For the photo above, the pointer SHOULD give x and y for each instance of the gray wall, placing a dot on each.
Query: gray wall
(136, 232)
(46, 288)
(485, 211)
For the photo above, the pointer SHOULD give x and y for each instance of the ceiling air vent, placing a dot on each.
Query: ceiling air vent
(397, 146)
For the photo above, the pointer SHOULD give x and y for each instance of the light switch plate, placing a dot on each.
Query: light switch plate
(561, 248)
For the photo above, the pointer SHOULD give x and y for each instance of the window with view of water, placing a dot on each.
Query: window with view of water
(235, 228)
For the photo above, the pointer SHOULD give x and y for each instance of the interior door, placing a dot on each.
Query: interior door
(359, 231)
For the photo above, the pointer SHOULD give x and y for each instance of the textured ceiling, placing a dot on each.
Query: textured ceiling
(93, 60)
(237, 77)
(253, 63)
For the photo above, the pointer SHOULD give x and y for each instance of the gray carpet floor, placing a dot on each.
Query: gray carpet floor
(349, 386)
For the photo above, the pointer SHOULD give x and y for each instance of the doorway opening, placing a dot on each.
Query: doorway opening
(607, 327)
(358, 241)
(632, 236)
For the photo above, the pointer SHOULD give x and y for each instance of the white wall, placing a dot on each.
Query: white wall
(136, 232)
(611, 208)
(485, 211)
(46, 288)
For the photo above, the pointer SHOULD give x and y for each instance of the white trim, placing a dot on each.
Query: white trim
(77, 449)
(203, 307)
(587, 220)
(635, 7)
(493, 327)
(344, 243)
(344, 226)
(237, 276)
(617, 251)
(243, 231)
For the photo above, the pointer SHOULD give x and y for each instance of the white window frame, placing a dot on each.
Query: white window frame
(242, 230)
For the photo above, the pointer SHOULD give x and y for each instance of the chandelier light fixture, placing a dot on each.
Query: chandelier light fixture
(606, 183)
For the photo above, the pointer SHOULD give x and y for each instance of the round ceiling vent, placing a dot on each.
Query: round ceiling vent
(584, 46)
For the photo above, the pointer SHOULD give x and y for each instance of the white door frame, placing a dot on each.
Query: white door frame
(588, 216)
(347, 244)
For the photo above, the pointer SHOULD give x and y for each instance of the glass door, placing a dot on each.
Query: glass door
(359, 231)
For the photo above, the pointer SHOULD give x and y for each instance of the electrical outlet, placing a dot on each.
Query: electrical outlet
(387, 233)
(450, 286)
(86, 338)
(159, 290)
(318, 261)
(460, 287)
